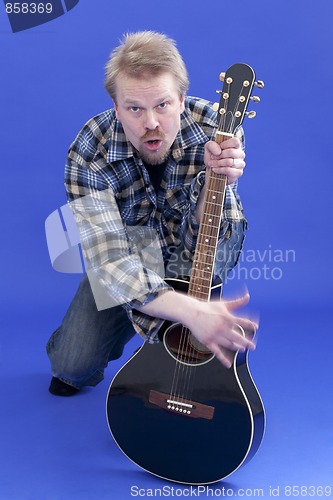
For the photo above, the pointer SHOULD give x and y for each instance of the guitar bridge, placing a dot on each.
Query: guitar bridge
(181, 406)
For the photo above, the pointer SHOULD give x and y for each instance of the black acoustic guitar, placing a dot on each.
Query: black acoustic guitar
(173, 408)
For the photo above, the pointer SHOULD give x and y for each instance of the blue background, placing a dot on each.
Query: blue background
(51, 84)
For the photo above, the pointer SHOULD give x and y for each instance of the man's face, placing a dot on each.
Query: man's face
(149, 110)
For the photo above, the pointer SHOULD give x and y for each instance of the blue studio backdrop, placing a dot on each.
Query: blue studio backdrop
(51, 71)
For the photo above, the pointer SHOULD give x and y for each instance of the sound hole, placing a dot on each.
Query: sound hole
(184, 347)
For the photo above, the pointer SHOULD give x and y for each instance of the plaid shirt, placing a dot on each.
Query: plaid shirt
(110, 193)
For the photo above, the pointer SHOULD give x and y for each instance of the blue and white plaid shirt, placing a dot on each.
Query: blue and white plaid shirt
(110, 191)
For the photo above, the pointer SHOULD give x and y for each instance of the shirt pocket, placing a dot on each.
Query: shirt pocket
(176, 205)
(135, 208)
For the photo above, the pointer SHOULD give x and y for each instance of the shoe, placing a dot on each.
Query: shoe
(59, 388)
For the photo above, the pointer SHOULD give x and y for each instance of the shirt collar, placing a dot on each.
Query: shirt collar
(189, 135)
(119, 148)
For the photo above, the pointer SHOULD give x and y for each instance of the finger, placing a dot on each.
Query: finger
(223, 355)
(233, 142)
(232, 174)
(233, 339)
(249, 326)
(233, 304)
(246, 342)
(213, 148)
(238, 339)
(233, 154)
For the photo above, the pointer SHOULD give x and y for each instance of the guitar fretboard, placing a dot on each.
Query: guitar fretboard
(204, 257)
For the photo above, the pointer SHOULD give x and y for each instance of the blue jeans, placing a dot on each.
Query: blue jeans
(80, 349)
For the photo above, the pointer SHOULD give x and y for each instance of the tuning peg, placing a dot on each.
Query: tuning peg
(260, 84)
(222, 77)
(215, 106)
(251, 114)
(255, 98)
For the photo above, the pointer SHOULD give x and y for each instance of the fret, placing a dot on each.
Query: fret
(204, 269)
(218, 205)
(208, 256)
(201, 286)
(210, 225)
(200, 295)
(205, 266)
(202, 278)
(214, 194)
(204, 247)
(202, 275)
(203, 295)
(201, 291)
(209, 214)
(206, 244)
(215, 200)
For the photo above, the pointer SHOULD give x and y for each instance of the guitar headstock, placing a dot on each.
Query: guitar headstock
(238, 83)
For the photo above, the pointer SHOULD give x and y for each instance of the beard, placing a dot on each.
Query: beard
(153, 157)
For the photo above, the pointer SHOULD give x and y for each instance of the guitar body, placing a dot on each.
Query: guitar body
(199, 449)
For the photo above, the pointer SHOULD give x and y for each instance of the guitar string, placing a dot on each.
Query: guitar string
(182, 374)
(188, 371)
(220, 187)
(174, 393)
(185, 391)
(236, 109)
(185, 387)
(179, 368)
(181, 385)
(186, 382)
(205, 272)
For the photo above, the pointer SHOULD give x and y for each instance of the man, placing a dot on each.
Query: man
(141, 167)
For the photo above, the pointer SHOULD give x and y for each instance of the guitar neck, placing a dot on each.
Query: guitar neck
(204, 257)
(238, 82)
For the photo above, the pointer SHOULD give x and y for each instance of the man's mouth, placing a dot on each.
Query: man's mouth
(153, 144)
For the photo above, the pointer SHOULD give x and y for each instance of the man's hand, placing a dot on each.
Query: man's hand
(220, 331)
(225, 158)
(212, 323)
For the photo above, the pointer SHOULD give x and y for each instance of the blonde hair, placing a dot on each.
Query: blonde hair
(145, 53)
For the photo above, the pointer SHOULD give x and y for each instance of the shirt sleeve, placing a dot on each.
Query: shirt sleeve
(124, 265)
(192, 225)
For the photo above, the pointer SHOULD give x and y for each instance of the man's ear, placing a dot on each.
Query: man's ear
(116, 109)
(182, 104)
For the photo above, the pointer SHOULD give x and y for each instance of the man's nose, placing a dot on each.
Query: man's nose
(151, 121)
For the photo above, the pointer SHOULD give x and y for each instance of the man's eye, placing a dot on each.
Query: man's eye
(134, 109)
(163, 105)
